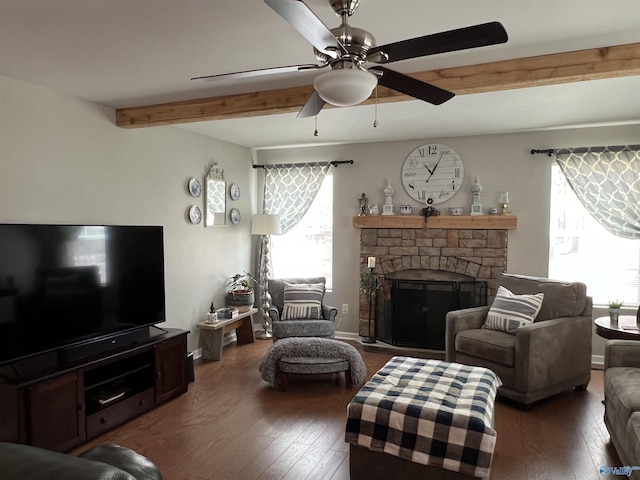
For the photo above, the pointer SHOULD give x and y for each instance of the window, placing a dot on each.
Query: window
(581, 249)
(307, 249)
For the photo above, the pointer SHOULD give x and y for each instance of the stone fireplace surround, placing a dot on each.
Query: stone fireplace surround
(417, 249)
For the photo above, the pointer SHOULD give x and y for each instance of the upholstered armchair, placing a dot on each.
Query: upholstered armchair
(534, 359)
(298, 309)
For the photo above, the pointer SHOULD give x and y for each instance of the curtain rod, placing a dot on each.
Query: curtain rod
(335, 163)
(548, 151)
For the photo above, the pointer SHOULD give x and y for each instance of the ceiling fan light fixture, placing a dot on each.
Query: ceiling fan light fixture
(345, 87)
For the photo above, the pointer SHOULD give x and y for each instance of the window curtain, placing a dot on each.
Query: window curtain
(607, 182)
(289, 190)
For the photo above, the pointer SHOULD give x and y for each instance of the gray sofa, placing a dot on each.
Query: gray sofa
(622, 400)
(323, 327)
(541, 359)
(103, 462)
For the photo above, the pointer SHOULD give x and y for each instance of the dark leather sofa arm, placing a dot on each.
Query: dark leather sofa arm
(24, 462)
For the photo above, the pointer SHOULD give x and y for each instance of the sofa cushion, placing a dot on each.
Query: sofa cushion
(561, 299)
(509, 311)
(276, 288)
(499, 347)
(302, 301)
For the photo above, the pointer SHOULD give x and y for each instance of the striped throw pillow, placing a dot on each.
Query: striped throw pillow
(302, 301)
(509, 311)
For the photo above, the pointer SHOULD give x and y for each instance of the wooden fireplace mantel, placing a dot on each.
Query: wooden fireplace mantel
(479, 222)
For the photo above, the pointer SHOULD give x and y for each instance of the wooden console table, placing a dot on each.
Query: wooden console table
(211, 334)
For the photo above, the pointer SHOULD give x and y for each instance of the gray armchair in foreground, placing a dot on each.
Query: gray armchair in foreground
(540, 359)
(311, 321)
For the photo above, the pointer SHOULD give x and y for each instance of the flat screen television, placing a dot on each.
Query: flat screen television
(70, 285)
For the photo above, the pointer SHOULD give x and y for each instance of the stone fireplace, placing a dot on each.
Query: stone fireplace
(447, 248)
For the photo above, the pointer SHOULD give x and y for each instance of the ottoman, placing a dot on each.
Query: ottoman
(313, 366)
(311, 356)
(421, 418)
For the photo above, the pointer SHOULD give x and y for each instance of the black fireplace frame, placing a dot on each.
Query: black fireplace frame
(414, 314)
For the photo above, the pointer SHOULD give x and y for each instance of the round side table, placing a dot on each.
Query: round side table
(626, 329)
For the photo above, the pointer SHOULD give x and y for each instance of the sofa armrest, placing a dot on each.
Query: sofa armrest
(274, 313)
(20, 462)
(329, 312)
(552, 351)
(458, 321)
(622, 353)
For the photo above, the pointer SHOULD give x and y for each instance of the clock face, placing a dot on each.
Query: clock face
(432, 171)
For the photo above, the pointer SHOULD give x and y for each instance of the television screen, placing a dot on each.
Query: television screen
(65, 284)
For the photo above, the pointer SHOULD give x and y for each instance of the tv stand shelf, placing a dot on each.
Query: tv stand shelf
(69, 403)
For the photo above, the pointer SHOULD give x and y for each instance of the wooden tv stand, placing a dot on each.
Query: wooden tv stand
(57, 404)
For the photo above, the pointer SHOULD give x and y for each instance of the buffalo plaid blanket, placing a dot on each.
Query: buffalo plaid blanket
(428, 412)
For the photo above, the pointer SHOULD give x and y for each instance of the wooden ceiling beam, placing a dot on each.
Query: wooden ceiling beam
(578, 66)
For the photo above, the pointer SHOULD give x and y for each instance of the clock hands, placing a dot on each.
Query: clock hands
(431, 172)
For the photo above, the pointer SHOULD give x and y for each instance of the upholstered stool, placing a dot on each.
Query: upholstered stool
(311, 356)
(313, 366)
(138, 466)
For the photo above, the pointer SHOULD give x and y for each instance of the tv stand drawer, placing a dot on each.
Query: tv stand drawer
(119, 413)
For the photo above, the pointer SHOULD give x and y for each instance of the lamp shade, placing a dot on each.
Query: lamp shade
(345, 87)
(266, 224)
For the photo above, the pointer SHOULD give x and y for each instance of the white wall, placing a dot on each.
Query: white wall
(503, 162)
(64, 161)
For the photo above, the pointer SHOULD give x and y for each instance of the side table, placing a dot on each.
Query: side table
(626, 329)
(211, 334)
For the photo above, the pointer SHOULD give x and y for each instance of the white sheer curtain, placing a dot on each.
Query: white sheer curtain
(606, 180)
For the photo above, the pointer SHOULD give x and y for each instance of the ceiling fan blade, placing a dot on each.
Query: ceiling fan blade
(312, 106)
(482, 35)
(411, 86)
(261, 71)
(300, 17)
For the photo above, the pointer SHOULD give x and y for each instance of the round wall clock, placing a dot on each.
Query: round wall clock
(432, 171)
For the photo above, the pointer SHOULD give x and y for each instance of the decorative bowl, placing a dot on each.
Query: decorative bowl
(455, 210)
(406, 209)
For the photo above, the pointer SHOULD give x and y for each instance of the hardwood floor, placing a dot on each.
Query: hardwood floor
(231, 425)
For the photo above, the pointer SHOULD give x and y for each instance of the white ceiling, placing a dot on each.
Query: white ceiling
(125, 53)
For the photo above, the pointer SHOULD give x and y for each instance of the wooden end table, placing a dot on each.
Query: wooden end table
(211, 333)
(626, 329)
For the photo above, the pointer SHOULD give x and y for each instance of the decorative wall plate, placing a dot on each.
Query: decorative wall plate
(195, 187)
(234, 215)
(234, 191)
(195, 214)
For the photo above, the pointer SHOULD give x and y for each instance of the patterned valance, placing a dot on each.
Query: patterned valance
(607, 182)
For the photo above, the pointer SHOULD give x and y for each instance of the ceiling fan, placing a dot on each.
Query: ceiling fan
(347, 50)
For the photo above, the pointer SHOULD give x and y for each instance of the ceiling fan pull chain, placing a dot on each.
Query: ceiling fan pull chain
(315, 119)
(375, 107)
